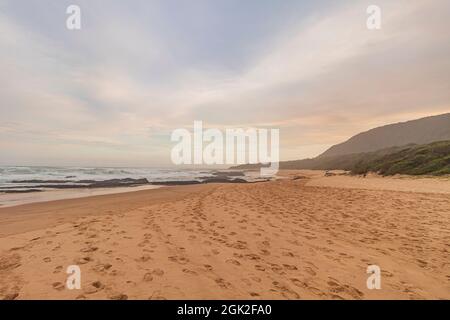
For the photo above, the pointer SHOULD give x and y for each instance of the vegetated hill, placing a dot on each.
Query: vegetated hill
(431, 159)
(421, 131)
(344, 162)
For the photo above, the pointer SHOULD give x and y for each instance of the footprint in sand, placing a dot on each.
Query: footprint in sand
(336, 287)
(223, 283)
(58, 269)
(58, 286)
(289, 267)
(334, 296)
(10, 296)
(94, 287)
(233, 261)
(102, 267)
(208, 267)
(240, 245)
(118, 296)
(310, 271)
(288, 254)
(190, 272)
(277, 269)
(260, 268)
(83, 260)
(148, 277)
(299, 283)
(89, 249)
(180, 260)
(158, 272)
(286, 291)
(252, 256)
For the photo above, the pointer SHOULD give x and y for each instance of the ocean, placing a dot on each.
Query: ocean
(26, 178)
(20, 184)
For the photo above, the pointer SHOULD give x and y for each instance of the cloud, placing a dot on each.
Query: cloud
(131, 75)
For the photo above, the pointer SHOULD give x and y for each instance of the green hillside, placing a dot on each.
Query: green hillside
(428, 159)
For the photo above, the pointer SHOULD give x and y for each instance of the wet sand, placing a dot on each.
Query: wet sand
(286, 239)
(15, 199)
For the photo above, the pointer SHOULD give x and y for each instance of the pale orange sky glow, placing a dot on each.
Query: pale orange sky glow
(111, 93)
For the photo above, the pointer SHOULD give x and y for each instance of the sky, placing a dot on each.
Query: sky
(111, 93)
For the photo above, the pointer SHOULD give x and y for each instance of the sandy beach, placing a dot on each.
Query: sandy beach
(310, 237)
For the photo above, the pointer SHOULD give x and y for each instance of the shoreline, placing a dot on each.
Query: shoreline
(8, 200)
(22, 191)
(18, 199)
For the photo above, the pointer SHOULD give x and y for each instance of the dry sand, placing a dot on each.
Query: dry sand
(375, 182)
(286, 239)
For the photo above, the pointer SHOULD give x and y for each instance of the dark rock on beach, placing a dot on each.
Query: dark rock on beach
(39, 181)
(59, 184)
(175, 183)
(19, 191)
(229, 173)
(224, 180)
(128, 182)
(40, 185)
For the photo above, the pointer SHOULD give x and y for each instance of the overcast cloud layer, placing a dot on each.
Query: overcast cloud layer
(111, 93)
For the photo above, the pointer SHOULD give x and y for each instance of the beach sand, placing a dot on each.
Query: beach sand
(308, 238)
